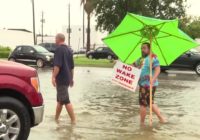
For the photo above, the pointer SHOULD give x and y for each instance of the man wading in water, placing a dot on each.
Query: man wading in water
(62, 76)
(144, 82)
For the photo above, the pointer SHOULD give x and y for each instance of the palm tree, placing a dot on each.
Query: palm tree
(83, 3)
(89, 7)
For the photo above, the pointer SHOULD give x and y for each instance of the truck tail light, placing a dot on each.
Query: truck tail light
(35, 83)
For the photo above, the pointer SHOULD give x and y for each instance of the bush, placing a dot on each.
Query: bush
(4, 52)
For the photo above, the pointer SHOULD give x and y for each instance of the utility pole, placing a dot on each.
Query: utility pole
(69, 25)
(83, 24)
(42, 26)
(33, 11)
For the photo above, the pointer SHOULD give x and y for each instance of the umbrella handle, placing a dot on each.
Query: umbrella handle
(151, 86)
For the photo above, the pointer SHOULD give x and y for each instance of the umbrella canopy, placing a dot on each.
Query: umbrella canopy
(168, 42)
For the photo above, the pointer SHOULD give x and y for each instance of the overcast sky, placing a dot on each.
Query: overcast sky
(18, 13)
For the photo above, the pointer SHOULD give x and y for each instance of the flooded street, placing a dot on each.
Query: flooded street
(107, 112)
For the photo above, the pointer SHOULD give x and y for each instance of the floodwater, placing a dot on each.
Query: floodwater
(107, 112)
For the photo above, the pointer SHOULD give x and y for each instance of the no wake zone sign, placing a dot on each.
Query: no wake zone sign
(126, 76)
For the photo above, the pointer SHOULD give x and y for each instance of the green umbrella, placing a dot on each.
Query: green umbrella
(167, 41)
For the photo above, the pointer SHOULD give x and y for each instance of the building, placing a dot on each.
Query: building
(15, 37)
(76, 37)
(198, 40)
(46, 39)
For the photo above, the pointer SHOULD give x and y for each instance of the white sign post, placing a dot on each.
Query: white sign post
(126, 76)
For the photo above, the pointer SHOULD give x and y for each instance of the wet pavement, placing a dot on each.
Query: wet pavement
(107, 112)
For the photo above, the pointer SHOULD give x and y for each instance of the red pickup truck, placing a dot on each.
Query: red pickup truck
(21, 103)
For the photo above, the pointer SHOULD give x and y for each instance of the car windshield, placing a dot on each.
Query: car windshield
(99, 49)
(41, 49)
(194, 51)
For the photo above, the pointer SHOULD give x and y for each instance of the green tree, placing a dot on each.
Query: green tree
(109, 13)
(89, 6)
(191, 26)
(167, 9)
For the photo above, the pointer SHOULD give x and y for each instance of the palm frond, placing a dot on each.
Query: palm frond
(82, 2)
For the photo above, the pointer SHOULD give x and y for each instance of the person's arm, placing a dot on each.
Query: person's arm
(57, 64)
(156, 73)
(55, 72)
(72, 80)
(72, 70)
(156, 67)
(136, 63)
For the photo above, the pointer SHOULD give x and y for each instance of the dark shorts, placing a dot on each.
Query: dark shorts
(62, 94)
(144, 96)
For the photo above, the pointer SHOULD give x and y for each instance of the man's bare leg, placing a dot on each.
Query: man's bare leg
(70, 111)
(142, 115)
(58, 111)
(157, 112)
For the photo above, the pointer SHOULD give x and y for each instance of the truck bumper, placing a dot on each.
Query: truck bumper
(38, 113)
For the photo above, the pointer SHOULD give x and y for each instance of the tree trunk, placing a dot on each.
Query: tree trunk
(88, 33)
(83, 27)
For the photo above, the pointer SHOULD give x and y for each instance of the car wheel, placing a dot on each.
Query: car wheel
(197, 68)
(90, 56)
(164, 69)
(12, 59)
(40, 63)
(15, 120)
(110, 57)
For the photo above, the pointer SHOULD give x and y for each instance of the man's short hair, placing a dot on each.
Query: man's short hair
(60, 36)
(147, 43)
